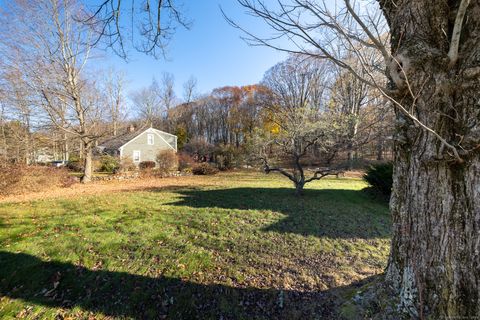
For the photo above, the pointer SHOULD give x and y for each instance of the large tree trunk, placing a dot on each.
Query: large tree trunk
(435, 256)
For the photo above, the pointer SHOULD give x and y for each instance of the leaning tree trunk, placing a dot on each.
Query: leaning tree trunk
(435, 255)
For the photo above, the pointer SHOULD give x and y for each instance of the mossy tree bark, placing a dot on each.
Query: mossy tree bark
(435, 255)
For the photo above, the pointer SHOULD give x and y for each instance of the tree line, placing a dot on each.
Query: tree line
(55, 101)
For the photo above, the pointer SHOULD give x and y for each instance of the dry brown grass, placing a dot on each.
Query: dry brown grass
(114, 186)
(21, 179)
(101, 187)
(354, 174)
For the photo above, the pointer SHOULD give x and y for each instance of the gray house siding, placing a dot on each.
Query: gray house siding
(148, 152)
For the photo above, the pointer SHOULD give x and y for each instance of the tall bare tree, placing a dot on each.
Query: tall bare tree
(431, 62)
(360, 107)
(114, 84)
(147, 103)
(17, 97)
(190, 90)
(50, 49)
(168, 97)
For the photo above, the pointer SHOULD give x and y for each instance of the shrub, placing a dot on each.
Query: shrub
(185, 161)
(74, 163)
(127, 164)
(145, 165)
(204, 168)
(225, 157)
(17, 179)
(199, 149)
(75, 166)
(109, 164)
(167, 161)
(380, 177)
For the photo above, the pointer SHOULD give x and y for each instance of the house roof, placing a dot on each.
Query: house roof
(118, 141)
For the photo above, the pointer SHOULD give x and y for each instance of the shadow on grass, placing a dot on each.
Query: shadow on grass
(334, 213)
(118, 294)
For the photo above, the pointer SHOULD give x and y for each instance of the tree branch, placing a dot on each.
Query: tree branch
(457, 31)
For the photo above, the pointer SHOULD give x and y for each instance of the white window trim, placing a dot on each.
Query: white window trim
(139, 155)
(150, 135)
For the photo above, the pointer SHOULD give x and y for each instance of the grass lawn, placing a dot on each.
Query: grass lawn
(238, 246)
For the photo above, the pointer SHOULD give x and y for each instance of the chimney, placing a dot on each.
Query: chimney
(131, 128)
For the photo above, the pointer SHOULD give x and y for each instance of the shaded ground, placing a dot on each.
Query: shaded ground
(328, 212)
(234, 246)
(120, 294)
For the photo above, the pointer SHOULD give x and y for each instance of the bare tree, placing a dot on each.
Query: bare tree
(114, 90)
(167, 92)
(430, 67)
(190, 90)
(18, 99)
(147, 103)
(360, 107)
(155, 22)
(297, 124)
(51, 50)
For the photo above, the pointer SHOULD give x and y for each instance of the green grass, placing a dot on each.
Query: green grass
(240, 247)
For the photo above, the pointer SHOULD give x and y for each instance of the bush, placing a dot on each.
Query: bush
(74, 163)
(204, 169)
(75, 166)
(199, 149)
(109, 164)
(17, 179)
(225, 157)
(185, 162)
(127, 164)
(380, 177)
(167, 161)
(145, 165)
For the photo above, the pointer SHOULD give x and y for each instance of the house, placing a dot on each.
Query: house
(140, 145)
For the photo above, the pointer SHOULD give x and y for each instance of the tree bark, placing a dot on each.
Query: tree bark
(299, 185)
(65, 153)
(88, 163)
(380, 143)
(435, 256)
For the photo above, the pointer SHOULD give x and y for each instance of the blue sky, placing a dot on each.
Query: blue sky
(212, 51)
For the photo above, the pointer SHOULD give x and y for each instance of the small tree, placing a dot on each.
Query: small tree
(295, 123)
(286, 149)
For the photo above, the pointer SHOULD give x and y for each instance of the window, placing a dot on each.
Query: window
(150, 139)
(136, 156)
